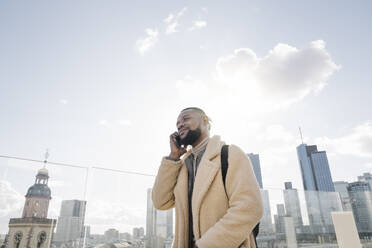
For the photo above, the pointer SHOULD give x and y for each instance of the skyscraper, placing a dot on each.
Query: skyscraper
(361, 202)
(112, 235)
(315, 171)
(366, 177)
(266, 223)
(320, 205)
(70, 225)
(341, 188)
(138, 232)
(279, 219)
(149, 218)
(159, 225)
(292, 204)
(255, 159)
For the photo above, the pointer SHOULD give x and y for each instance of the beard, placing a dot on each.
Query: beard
(191, 137)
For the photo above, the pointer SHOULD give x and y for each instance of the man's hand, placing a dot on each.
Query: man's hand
(176, 151)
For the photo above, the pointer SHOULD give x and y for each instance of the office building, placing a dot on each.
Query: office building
(292, 205)
(320, 205)
(255, 160)
(112, 235)
(341, 188)
(70, 225)
(315, 171)
(279, 219)
(366, 177)
(361, 203)
(266, 223)
(159, 225)
(138, 232)
(86, 231)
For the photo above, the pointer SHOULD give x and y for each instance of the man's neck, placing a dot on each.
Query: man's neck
(201, 138)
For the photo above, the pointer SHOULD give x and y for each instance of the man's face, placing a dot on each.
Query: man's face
(189, 125)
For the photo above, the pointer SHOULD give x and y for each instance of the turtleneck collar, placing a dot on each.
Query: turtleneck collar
(200, 147)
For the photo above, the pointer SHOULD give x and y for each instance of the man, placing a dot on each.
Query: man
(209, 214)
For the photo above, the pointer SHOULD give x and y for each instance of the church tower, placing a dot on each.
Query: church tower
(38, 197)
(34, 229)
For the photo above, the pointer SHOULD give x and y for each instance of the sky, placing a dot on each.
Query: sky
(101, 83)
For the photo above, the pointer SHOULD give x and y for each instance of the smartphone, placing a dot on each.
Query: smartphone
(178, 141)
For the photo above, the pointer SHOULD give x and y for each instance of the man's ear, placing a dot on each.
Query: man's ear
(205, 120)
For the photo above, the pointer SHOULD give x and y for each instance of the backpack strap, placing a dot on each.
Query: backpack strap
(224, 167)
(224, 163)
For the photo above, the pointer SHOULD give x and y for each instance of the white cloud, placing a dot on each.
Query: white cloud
(63, 101)
(278, 145)
(198, 25)
(172, 21)
(145, 44)
(284, 76)
(196, 92)
(276, 133)
(191, 88)
(104, 123)
(10, 199)
(125, 122)
(358, 142)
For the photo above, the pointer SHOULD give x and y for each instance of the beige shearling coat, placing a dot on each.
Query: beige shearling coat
(220, 219)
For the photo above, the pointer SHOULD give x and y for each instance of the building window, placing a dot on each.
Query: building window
(17, 238)
(41, 238)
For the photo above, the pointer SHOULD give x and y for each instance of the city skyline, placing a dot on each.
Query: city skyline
(288, 186)
(100, 85)
(159, 228)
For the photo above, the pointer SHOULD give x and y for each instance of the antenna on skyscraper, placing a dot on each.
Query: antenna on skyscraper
(302, 140)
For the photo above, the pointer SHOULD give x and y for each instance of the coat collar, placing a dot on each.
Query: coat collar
(214, 147)
(212, 150)
(207, 171)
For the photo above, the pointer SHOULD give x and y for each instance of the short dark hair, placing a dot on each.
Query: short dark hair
(202, 113)
(195, 109)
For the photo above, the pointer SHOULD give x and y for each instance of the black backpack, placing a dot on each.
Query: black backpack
(224, 167)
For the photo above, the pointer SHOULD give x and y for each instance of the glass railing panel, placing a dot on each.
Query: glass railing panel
(89, 207)
(296, 218)
(119, 210)
(361, 206)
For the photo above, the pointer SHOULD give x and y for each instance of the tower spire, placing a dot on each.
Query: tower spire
(46, 156)
(302, 140)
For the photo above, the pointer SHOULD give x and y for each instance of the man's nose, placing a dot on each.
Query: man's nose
(180, 125)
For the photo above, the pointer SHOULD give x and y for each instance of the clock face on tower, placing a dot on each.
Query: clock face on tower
(35, 208)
